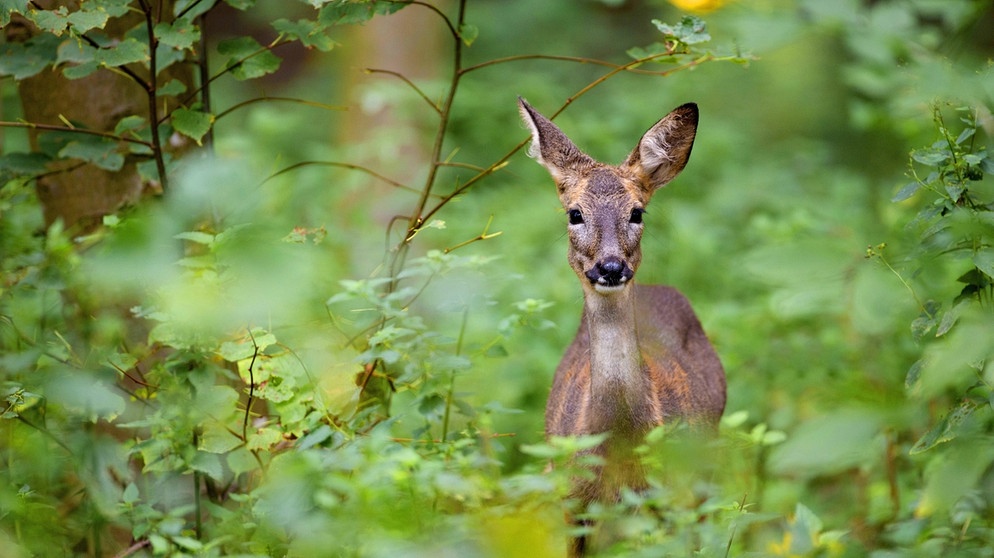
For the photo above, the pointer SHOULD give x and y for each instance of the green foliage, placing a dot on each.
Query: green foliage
(244, 367)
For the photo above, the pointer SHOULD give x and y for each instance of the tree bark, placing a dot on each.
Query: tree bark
(80, 195)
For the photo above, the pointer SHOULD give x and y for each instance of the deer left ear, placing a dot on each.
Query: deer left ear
(664, 150)
(551, 147)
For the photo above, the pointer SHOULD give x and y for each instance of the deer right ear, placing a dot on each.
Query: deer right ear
(664, 150)
(551, 147)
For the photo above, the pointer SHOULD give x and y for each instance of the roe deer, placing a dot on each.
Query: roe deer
(640, 357)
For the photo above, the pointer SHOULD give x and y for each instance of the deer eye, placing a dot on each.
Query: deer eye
(575, 217)
(636, 216)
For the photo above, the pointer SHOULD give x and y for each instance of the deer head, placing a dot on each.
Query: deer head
(605, 203)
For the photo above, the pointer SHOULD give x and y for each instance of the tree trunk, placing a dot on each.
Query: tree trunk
(81, 194)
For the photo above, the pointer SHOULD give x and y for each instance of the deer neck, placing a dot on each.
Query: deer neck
(618, 385)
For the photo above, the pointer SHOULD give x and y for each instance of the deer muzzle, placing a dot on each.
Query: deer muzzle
(609, 274)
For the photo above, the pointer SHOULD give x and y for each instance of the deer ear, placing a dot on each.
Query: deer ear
(551, 147)
(664, 150)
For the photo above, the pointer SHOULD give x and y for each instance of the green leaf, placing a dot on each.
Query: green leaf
(311, 34)
(926, 320)
(187, 542)
(181, 34)
(914, 374)
(234, 351)
(949, 319)
(346, 12)
(804, 530)
(86, 20)
(80, 70)
(52, 21)
(931, 156)
(23, 164)
(113, 8)
(130, 124)
(128, 51)
(949, 479)
(192, 123)
(945, 429)
(966, 134)
(196, 236)
(247, 59)
(240, 4)
(75, 51)
(907, 191)
(690, 31)
(241, 460)
(9, 7)
(468, 33)
(208, 464)
(122, 361)
(264, 439)
(131, 494)
(23, 60)
(849, 433)
(984, 260)
(99, 151)
(172, 87)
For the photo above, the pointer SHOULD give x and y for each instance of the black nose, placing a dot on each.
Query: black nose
(609, 272)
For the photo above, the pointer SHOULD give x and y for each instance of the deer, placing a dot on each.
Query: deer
(640, 358)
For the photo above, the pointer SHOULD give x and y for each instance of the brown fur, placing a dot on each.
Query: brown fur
(640, 357)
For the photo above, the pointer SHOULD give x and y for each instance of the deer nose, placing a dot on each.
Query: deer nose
(610, 272)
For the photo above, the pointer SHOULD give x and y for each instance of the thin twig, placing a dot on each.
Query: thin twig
(577, 59)
(203, 66)
(74, 130)
(237, 106)
(133, 548)
(434, 106)
(251, 395)
(193, 94)
(151, 89)
(586, 89)
(336, 164)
